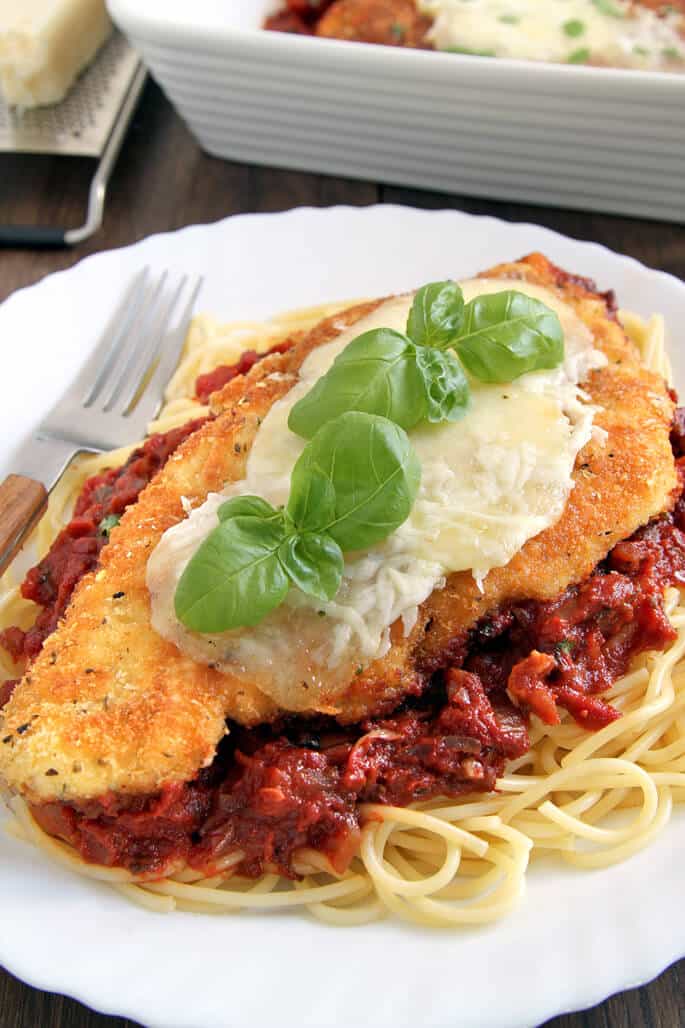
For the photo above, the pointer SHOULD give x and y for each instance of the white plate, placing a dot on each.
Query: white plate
(576, 937)
(562, 135)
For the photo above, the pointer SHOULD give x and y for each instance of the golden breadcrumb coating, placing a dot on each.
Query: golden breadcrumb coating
(110, 706)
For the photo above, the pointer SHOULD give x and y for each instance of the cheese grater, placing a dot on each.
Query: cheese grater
(91, 121)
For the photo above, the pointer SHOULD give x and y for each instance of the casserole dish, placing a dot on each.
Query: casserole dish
(559, 135)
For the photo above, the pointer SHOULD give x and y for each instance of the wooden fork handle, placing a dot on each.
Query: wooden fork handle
(22, 501)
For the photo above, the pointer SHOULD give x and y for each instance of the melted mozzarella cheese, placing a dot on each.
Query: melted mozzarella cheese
(618, 33)
(489, 483)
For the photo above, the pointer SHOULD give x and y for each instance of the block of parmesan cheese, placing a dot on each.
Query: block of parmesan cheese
(45, 44)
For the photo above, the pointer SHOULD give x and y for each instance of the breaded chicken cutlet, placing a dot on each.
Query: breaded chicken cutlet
(110, 707)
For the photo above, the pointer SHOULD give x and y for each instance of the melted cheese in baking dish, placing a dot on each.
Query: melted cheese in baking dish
(489, 483)
(611, 32)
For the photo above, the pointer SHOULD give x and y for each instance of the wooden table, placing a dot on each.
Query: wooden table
(163, 181)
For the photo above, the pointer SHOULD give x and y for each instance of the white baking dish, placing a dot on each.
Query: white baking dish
(561, 135)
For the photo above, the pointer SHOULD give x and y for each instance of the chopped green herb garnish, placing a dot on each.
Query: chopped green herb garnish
(509, 19)
(641, 51)
(470, 53)
(610, 8)
(672, 54)
(574, 28)
(581, 56)
(108, 523)
(397, 30)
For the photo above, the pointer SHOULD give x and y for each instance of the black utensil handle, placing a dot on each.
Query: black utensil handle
(32, 235)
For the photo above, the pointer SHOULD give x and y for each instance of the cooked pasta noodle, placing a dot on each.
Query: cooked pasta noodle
(590, 799)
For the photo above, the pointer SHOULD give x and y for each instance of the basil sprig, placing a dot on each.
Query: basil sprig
(352, 486)
(419, 376)
(373, 476)
(383, 372)
(357, 478)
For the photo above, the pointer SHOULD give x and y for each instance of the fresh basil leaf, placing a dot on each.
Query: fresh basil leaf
(436, 314)
(375, 474)
(447, 389)
(311, 503)
(507, 334)
(375, 373)
(246, 506)
(108, 523)
(235, 578)
(314, 563)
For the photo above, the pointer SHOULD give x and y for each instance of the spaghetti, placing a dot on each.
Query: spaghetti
(590, 799)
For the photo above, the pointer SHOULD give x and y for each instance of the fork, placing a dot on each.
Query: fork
(118, 391)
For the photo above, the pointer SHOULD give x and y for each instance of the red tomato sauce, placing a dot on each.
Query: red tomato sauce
(297, 16)
(388, 22)
(276, 789)
(76, 549)
(273, 790)
(225, 373)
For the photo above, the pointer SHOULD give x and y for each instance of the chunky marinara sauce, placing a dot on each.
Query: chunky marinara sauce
(75, 551)
(225, 373)
(298, 783)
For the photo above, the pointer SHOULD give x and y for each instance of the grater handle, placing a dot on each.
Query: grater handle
(43, 236)
(32, 235)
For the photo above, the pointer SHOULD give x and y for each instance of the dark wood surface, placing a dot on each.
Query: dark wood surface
(163, 181)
